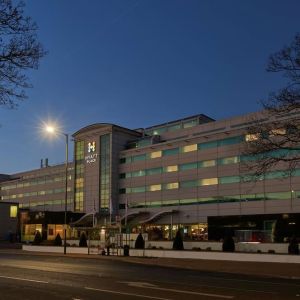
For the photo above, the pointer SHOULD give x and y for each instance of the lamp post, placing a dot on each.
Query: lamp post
(53, 130)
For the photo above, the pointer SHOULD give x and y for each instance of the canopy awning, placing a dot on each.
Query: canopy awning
(159, 215)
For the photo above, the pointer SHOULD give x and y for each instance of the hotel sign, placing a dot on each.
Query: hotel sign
(92, 155)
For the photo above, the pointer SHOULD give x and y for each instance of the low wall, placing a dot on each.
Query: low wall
(217, 246)
(55, 249)
(207, 255)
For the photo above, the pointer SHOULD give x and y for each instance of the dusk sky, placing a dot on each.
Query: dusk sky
(137, 63)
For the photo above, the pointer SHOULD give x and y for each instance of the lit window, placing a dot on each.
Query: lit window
(13, 211)
(251, 137)
(207, 163)
(154, 187)
(208, 181)
(189, 148)
(155, 154)
(229, 160)
(279, 131)
(171, 169)
(171, 186)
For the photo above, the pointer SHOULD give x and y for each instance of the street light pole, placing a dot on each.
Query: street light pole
(53, 130)
(66, 191)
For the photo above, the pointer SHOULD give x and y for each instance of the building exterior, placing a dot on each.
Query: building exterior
(9, 221)
(182, 174)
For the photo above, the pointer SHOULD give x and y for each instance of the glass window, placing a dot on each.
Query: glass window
(125, 160)
(189, 124)
(229, 160)
(207, 163)
(188, 166)
(230, 141)
(139, 189)
(158, 131)
(229, 179)
(188, 184)
(189, 148)
(168, 169)
(208, 181)
(172, 151)
(174, 127)
(278, 131)
(13, 211)
(154, 187)
(251, 137)
(138, 157)
(123, 175)
(208, 145)
(171, 186)
(154, 171)
(155, 154)
(188, 201)
(138, 173)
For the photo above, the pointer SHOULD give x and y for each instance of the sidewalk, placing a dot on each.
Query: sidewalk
(275, 270)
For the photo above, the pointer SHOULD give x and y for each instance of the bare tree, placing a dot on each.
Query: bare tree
(19, 51)
(276, 139)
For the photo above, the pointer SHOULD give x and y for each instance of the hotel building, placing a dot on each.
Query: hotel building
(184, 174)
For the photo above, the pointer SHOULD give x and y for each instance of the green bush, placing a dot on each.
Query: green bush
(228, 244)
(83, 241)
(37, 238)
(139, 242)
(178, 243)
(58, 240)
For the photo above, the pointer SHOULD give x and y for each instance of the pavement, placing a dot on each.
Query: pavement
(271, 270)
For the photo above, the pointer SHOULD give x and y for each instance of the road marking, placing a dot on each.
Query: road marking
(127, 294)
(146, 285)
(23, 279)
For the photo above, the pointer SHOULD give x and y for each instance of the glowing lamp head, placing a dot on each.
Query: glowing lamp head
(50, 129)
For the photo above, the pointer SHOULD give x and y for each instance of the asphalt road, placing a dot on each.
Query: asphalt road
(56, 277)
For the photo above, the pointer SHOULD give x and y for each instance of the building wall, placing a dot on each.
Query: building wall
(8, 221)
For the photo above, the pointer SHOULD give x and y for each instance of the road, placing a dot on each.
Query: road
(24, 276)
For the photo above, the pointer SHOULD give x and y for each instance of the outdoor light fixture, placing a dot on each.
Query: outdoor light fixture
(53, 130)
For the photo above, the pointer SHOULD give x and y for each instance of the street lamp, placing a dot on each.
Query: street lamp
(53, 130)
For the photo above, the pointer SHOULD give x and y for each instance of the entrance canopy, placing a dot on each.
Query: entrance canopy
(159, 215)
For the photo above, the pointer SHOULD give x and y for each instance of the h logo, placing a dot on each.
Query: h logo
(91, 147)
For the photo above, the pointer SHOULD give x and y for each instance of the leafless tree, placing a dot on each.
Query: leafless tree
(20, 50)
(276, 139)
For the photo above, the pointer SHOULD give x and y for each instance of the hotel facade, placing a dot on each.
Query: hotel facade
(185, 174)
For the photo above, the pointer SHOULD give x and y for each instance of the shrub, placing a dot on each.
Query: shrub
(37, 238)
(228, 244)
(82, 241)
(139, 242)
(293, 246)
(208, 249)
(58, 241)
(258, 251)
(271, 251)
(178, 243)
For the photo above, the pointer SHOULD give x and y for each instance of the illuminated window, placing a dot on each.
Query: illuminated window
(171, 169)
(229, 160)
(189, 148)
(171, 186)
(278, 131)
(13, 211)
(79, 183)
(251, 137)
(207, 163)
(154, 187)
(155, 154)
(208, 181)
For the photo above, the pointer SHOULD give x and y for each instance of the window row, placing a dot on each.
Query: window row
(34, 182)
(204, 182)
(182, 167)
(216, 199)
(45, 203)
(39, 193)
(183, 149)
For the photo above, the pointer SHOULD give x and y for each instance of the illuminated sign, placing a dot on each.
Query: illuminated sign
(91, 149)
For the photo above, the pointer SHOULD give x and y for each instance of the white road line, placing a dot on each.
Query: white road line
(146, 286)
(127, 294)
(23, 279)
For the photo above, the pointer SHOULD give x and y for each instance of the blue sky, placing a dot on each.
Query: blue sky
(138, 63)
